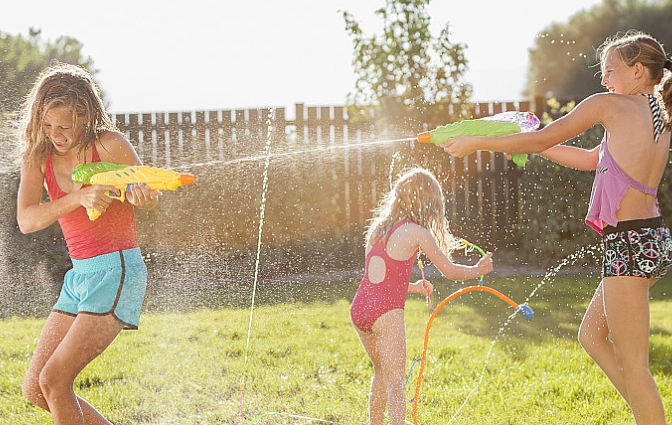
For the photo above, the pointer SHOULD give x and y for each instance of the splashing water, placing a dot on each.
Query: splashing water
(551, 273)
(289, 154)
(567, 261)
(262, 211)
(396, 157)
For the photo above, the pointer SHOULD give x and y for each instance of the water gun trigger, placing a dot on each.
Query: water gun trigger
(121, 197)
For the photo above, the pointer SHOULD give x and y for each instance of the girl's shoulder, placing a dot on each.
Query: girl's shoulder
(608, 100)
(113, 146)
(408, 229)
(406, 224)
(111, 139)
(601, 108)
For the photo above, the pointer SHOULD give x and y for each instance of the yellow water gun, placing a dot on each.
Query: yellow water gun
(120, 176)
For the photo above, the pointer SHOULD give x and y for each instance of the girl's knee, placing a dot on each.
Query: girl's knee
(32, 392)
(50, 381)
(589, 340)
(585, 341)
(394, 382)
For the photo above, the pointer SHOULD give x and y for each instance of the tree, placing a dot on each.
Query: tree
(407, 75)
(563, 61)
(23, 58)
(21, 61)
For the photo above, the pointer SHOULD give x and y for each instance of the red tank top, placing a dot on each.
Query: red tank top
(113, 231)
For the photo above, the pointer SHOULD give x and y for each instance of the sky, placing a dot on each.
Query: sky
(159, 56)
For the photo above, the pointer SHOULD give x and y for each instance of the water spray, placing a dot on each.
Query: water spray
(262, 211)
(522, 310)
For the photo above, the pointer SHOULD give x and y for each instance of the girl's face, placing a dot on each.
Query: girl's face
(60, 128)
(616, 75)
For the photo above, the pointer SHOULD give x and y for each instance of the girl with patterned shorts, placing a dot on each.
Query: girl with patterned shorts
(629, 165)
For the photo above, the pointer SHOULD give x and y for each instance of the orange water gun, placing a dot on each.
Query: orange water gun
(120, 176)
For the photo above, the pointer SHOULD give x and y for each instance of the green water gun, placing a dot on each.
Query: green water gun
(497, 125)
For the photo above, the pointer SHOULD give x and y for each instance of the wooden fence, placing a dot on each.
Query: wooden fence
(180, 138)
(319, 153)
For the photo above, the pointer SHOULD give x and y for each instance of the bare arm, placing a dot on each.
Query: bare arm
(449, 269)
(588, 113)
(115, 148)
(573, 157)
(33, 215)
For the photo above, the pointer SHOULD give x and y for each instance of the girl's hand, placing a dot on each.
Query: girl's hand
(485, 263)
(422, 287)
(460, 146)
(142, 196)
(96, 197)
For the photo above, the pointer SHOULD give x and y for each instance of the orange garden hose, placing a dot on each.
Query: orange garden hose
(523, 310)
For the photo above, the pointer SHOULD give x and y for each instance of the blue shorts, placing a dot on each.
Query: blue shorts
(111, 283)
(640, 248)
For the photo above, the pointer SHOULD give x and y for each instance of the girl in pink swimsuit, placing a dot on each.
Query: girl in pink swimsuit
(629, 166)
(410, 218)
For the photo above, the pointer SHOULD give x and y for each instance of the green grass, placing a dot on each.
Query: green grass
(304, 359)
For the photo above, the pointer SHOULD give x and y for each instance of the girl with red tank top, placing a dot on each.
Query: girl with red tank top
(114, 230)
(64, 124)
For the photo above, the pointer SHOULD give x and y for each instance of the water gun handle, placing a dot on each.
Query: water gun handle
(429, 296)
(94, 213)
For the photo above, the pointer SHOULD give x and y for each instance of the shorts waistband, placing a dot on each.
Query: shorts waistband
(624, 226)
(106, 261)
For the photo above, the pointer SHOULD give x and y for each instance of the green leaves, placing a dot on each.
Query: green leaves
(23, 58)
(407, 74)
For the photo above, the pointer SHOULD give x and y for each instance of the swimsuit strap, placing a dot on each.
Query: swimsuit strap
(658, 126)
(395, 227)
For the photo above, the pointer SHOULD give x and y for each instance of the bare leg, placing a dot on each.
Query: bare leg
(391, 342)
(377, 394)
(386, 345)
(594, 338)
(66, 346)
(625, 312)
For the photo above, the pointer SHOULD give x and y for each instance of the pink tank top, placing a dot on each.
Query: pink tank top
(113, 231)
(609, 187)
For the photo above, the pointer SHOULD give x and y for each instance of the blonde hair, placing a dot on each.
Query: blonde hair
(416, 196)
(61, 85)
(636, 46)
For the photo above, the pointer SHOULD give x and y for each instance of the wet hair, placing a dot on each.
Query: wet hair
(417, 196)
(636, 46)
(61, 85)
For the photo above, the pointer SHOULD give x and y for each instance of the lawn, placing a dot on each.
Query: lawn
(304, 364)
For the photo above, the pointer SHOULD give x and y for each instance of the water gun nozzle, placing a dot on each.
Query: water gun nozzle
(425, 137)
(186, 179)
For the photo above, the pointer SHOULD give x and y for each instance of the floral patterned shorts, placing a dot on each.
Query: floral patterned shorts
(640, 248)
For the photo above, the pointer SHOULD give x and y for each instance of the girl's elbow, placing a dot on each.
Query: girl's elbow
(26, 225)
(26, 228)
